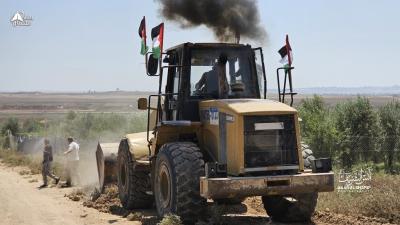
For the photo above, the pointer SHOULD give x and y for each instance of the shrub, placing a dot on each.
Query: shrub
(390, 122)
(318, 126)
(32, 126)
(12, 125)
(359, 132)
(170, 220)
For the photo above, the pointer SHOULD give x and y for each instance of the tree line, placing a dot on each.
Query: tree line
(353, 132)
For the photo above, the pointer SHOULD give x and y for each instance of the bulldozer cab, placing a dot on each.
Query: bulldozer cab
(197, 72)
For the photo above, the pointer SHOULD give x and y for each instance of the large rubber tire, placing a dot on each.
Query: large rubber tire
(284, 209)
(229, 201)
(307, 155)
(132, 185)
(295, 208)
(178, 168)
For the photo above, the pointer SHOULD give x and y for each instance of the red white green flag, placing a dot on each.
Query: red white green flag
(142, 34)
(286, 54)
(157, 35)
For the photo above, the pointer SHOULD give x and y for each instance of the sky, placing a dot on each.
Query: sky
(93, 45)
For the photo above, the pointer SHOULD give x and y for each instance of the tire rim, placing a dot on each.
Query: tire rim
(164, 185)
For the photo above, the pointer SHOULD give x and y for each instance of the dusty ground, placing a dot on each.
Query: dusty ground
(22, 203)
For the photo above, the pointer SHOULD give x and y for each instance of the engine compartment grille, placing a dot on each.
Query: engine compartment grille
(270, 141)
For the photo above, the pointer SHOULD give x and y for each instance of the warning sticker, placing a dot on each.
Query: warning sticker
(214, 116)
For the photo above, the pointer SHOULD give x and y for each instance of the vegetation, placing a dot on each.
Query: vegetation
(11, 125)
(170, 220)
(390, 122)
(353, 132)
(86, 127)
(381, 201)
(34, 163)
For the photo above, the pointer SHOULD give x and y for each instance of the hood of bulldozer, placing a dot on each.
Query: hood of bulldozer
(250, 106)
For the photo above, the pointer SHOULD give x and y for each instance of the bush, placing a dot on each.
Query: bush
(390, 122)
(92, 126)
(32, 126)
(12, 125)
(170, 220)
(359, 132)
(318, 126)
(71, 115)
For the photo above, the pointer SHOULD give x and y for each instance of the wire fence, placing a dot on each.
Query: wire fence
(383, 153)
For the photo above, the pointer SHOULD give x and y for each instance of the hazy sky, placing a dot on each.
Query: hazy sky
(82, 45)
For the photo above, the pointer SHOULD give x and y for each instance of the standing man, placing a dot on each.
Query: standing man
(46, 164)
(72, 167)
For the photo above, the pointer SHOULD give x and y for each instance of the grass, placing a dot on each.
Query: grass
(381, 201)
(170, 220)
(14, 158)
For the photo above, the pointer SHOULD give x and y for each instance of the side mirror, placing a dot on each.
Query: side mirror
(152, 65)
(142, 103)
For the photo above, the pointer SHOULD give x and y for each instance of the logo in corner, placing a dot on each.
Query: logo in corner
(21, 19)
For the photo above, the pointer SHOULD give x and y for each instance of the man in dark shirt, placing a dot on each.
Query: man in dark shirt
(214, 82)
(47, 160)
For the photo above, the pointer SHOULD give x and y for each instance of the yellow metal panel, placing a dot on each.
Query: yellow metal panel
(298, 137)
(138, 144)
(237, 108)
(251, 106)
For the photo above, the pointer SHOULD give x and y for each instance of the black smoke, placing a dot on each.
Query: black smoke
(226, 18)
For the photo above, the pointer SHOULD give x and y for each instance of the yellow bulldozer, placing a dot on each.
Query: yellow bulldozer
(213, 135)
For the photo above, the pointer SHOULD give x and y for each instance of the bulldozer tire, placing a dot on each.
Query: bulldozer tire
(229, 201)
(296, 208)
(307, 155)
(132, 185)
(179, 166)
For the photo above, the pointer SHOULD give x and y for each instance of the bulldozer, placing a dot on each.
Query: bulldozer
(212, 135)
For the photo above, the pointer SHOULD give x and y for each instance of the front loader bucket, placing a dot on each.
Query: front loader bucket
(106, 156)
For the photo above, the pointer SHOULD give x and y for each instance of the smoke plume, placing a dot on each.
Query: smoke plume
(226, 18)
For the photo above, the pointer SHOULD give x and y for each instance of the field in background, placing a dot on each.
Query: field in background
(56, 105)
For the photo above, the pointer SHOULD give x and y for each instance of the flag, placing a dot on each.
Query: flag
(142, 35)
(286, 54)
(157, 35)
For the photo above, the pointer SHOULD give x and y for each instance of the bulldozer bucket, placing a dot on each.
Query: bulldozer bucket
(106, 156)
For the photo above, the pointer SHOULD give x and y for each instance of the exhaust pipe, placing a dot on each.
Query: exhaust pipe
(237, 37)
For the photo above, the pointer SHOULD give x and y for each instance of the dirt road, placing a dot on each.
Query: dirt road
(22, 203)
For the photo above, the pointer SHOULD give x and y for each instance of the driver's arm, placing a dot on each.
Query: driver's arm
(202, 81)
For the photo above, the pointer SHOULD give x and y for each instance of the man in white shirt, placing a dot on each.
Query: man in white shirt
(72, 164)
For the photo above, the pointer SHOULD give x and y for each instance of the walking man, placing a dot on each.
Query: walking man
(72, 166)
(46, 164)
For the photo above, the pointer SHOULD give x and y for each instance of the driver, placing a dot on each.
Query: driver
(214, 82)
(208, 82)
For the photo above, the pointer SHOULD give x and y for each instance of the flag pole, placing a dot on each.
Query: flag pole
(288, 50)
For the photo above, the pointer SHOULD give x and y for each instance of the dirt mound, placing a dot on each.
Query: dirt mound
(76, 195)
(108, 202)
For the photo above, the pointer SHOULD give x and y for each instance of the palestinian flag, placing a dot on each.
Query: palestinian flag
(142, 34)
(286, 54)
(157, 35)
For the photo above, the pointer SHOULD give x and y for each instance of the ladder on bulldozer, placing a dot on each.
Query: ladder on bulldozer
(282, 90)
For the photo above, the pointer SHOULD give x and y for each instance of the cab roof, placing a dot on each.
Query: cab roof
(209, 45)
